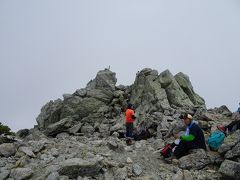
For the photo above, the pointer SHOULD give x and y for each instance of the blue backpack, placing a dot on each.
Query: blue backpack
(215, 140)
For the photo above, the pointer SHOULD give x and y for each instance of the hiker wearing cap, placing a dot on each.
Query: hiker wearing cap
(193, 138)
(130, 118)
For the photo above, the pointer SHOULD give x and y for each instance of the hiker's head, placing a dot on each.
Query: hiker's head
(187, 119)
(130, 106)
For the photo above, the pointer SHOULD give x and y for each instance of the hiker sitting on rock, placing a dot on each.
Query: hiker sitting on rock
(130, 118)
(193, 138)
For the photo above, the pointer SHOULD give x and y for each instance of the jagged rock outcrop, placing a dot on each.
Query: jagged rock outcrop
(153, 92)
(82, 136)
(150, 93)
(184, 82)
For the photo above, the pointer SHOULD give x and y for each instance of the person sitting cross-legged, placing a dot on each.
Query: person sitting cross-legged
(193, 138)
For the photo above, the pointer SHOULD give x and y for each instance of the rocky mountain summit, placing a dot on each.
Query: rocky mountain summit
(82, 136)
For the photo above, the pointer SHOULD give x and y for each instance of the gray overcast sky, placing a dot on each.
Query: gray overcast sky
(51, 47)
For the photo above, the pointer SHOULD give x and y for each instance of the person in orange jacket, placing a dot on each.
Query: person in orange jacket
(130, 118)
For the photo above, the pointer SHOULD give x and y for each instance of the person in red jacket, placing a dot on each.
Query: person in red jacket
(130, 118)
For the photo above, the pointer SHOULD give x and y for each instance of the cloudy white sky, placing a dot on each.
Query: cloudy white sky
(52, 47)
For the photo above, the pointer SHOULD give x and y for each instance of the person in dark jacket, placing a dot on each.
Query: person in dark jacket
(193, 138)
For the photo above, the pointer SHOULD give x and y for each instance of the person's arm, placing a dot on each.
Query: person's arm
(133, 115)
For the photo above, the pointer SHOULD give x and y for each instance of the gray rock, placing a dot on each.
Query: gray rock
(81, 92)
(105, 79)
(198, 159)
(112, 144)
(6, 139)
(22, 133)
(50, 113)
(79, 167)
(230, 169)
(223, 110)
(215, 157)
(104, 129)
(187, 175)
(234, 152)
(27, 151)
(147, 94)
(229, 142)
(101, 95)
(62, 135)
(59, 127)
(40, 145)
(175, 95)
(81, 107)
(63, 178)
(75, 129)
(7, 149)
(67, 96)
(87, 129)
(21, 173)
(53, 176)
(184, 82)
(121, 174)
(178, 176)
(4, 174)
(137, 170)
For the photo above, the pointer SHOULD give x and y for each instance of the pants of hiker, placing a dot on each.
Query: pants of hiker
(233, 126)
(129, 130)
(183, 148)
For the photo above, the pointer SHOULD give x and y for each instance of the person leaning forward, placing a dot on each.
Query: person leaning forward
(130, 118)
(193, 138)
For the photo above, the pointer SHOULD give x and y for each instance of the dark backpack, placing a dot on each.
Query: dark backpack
(167, 150)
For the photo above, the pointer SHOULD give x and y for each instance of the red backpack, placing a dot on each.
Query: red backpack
(167, 150)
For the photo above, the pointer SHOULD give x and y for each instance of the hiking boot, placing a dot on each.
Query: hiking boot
(129, 142)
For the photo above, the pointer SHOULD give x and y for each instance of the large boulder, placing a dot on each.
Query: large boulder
(176, 96)
(198, 159)
(101, 95)
(230, 169)
(22, 133)
(50, 113)
(7, 149)
(21, 173)
(223, 110)
(185, 83)
(82, 107)
(58, 127)
(230, 142)
(27, 151)
(79, 167)
(234, 152)
(105, 79)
